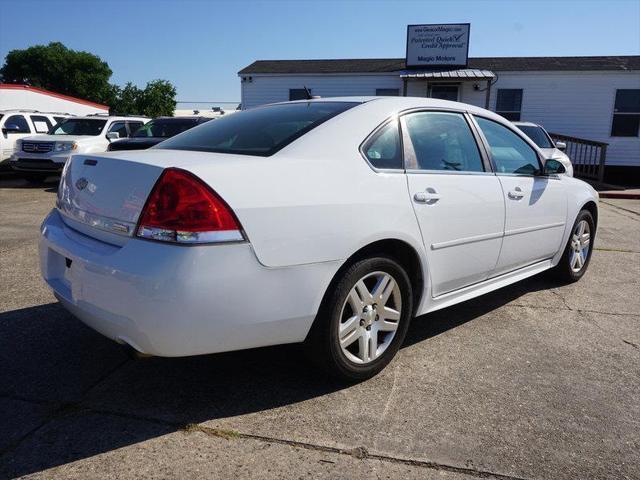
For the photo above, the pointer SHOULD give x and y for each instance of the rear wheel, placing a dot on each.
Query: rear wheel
(577, 253)
(363, 321)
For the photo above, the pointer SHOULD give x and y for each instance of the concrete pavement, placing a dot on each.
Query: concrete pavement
(536, 380)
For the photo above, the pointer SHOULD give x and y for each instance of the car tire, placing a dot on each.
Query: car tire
(577, 253)
(367, 320)
(35, 178)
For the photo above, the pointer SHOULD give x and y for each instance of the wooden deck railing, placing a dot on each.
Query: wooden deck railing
(587, 156)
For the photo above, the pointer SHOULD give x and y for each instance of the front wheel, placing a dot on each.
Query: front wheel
(577, 254)
(363, 320)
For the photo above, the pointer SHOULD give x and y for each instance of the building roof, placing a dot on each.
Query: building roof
(29, 88)
(463, 73)
(499, 64)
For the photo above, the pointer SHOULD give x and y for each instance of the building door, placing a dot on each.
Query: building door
(444, 92)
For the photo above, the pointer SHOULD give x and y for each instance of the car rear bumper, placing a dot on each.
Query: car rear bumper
(172, 300)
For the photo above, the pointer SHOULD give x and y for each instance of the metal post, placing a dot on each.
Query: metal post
(486, 100)
(404, 87)
(603, 158)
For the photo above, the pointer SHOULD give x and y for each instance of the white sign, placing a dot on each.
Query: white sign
(437, 45)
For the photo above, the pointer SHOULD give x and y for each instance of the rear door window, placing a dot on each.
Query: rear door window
(442, 141)
(260, 131)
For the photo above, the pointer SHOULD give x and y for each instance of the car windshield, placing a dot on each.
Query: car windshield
(78, 126)
(537, 134)
(260, 131)
(165, 128)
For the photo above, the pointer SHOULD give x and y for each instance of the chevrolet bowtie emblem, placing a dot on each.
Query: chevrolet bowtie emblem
(82, 183)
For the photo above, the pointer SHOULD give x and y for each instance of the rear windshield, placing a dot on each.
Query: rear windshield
(261, 131)
(537, 134)
(165, 128)
(78, 126)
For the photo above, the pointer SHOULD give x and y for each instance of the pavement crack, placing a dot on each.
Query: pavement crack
(621, 208)
(564, 301)
(361, 453)
(616, 250)
(634, 345)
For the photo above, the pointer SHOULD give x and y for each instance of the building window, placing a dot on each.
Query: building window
(387, 92)
(509, 103)
(626, 113)
(298, 94)
(444, 92)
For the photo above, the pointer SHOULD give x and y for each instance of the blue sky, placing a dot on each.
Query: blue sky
(200, 45)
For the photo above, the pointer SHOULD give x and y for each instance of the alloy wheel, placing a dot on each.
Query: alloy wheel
(580, 245)
(369, 318)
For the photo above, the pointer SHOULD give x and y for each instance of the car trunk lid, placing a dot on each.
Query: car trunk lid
(102, 196)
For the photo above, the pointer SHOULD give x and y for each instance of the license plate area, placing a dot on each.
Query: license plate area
(59, 273)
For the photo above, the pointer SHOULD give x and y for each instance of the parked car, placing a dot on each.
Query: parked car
(18, 124)
(549, 148)
(331, 222)
(43, 155)
(155, 131)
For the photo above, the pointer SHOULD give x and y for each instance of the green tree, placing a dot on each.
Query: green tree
(127, 100)
(60, 69)
(84, 75)
(158, 99)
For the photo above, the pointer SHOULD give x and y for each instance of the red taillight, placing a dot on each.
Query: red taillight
(182, 208)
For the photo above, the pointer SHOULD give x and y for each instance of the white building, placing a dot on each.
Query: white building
(25, 97)
(593, 98)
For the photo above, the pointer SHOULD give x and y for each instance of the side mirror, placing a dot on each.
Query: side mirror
(11, 128)
(553, 167)
(113, 135)
(561, 146)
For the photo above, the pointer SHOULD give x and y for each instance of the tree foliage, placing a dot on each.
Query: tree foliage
(84, 75)
(157, 99)
(58, 68)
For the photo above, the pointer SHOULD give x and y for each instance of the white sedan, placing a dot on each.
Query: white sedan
(332, 222)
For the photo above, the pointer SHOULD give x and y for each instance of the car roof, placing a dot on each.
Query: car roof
(35, 112)
(109, 117)
(181, 117)
(405, 103)
(526, 124)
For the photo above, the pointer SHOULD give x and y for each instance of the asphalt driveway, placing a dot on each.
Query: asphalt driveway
(536, 380)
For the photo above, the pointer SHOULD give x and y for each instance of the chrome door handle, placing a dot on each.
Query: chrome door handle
(515, 194)
(429, 196)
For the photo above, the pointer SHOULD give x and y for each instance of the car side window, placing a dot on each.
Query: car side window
(133, 126)
(510, 153)
(41, 124)
(383, 149)
(120, 128)
(442, 141)
(20, 122)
